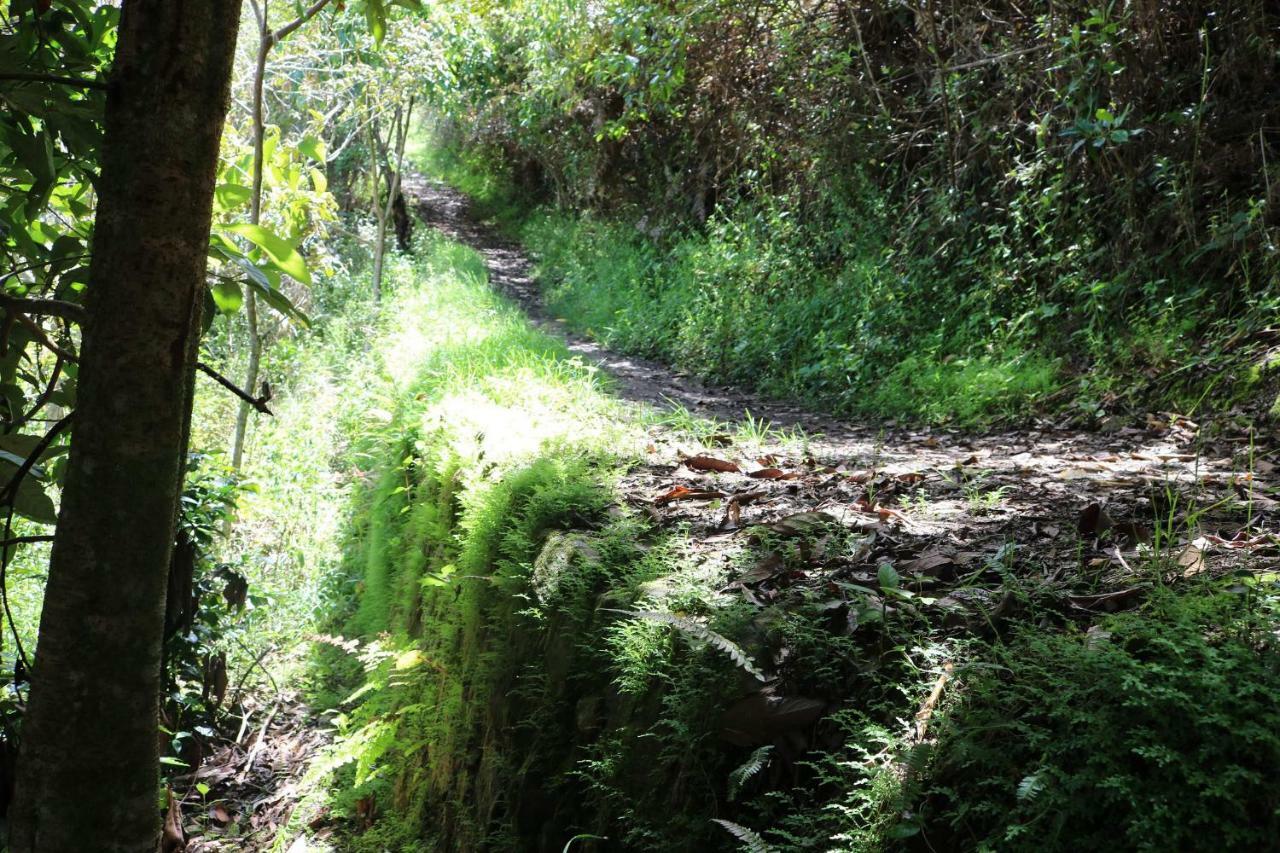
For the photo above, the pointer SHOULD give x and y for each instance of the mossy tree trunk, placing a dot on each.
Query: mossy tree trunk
(89, 755)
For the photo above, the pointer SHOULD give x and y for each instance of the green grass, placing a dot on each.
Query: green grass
(886, 332)
(745, 300)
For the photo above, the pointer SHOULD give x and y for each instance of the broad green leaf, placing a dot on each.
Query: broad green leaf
(888, 577)
(281, 303)
(313, 148)
(19, 445)
(228, 296)
(280, 251)
(231, 196)
(375, 13)
(31, 500)
(318, 181)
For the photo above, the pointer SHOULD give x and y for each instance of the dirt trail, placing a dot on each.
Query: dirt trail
(1083, 506)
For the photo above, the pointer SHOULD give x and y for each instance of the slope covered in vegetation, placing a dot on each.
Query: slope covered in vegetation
(541, 653)
(948, 212)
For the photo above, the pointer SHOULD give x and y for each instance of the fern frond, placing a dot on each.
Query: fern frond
(753, 765)
(702, 632)
(751, 840)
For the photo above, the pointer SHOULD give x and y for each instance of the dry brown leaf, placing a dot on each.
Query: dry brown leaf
(1094, 520)
(1191, 558)
(769, 566)
(702, 462)
(172, 840)
(801, 523)
(928, 563)
(684, 493)
(1106, 602)
(771, 474)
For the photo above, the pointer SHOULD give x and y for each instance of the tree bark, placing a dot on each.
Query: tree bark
(88, 773)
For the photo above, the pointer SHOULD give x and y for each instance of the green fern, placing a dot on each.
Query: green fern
(752, 842)
(705, 634)
(753, 765)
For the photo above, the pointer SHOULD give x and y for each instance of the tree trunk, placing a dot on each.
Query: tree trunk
(88, 773)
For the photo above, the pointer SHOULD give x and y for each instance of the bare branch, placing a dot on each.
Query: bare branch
(258, 403)
(58, 79)
(46, 308)
(307, 15)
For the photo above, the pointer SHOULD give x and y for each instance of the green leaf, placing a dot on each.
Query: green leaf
(228, 296)
(281, 252)
(375, 13)
(231, 196)
(282, 303)
(313, 148)
(888, 576)
(31, 500)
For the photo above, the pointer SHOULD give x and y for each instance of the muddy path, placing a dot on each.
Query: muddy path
(1089, 513)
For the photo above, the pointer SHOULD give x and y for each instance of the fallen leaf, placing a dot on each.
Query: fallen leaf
(703, 462)
(1191, 558)
(1094, 520)
(172, 840)
(801, 523)
(928, 563)
(760, 718)
(219, 814)
(684, 493)
(771, 474)
(769, 566)
(1106, 602)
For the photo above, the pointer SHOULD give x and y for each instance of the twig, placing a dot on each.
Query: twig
(46, 307)
(258, 403)
(257, 662)
(257, 744)
(10, 490)
(43, 338)
(23, 540)
(37, 77)
(931, 703)
(7, 496)
(4, 598)
(40, 401)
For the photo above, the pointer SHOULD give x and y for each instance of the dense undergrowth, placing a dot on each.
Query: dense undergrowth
(943, 213)
(528, 661)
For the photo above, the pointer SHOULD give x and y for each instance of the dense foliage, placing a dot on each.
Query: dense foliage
(931, 210)
(917, 211)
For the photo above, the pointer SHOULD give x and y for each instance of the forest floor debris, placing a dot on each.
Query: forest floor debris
(248, 789)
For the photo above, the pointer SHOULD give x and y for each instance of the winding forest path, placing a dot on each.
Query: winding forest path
(1082, 508)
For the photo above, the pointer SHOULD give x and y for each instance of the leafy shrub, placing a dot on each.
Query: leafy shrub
(1155, 731)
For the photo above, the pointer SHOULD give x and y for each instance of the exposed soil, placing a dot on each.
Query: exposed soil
(1091, 520)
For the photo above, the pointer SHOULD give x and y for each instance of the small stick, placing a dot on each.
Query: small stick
(257, 744)
(258, 403)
